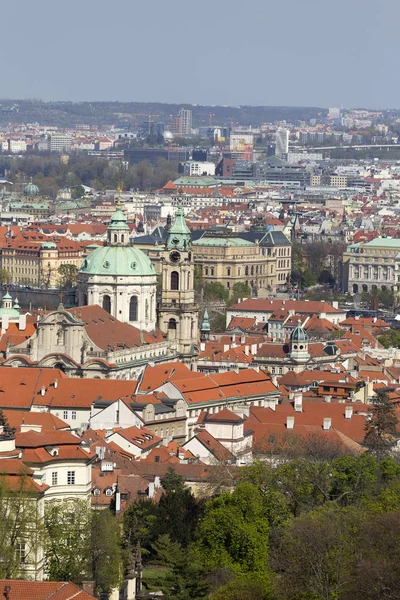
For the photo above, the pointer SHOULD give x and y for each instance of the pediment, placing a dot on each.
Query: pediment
(60, 317)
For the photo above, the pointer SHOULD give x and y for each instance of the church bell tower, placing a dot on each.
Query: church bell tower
(178, 312)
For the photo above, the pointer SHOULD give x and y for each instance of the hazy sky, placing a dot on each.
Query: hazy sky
(260, 52)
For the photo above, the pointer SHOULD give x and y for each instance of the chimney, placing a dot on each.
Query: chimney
(246, 350)
(327, 424)
(226, 347)
(298, 401)
(117, 501)
(202, 346)
(4, 322)
(348, 412)
(256, 368)
(328, 398)
(234, 338)
(151, 490)
(254, 348)
(42, 390)
(289, 422)
(55, 384)
(88, 587)
(22, 322)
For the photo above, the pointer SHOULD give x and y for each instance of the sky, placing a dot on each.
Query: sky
(255, 52)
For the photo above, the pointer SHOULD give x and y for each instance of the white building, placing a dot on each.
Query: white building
(120, 278)
(281, 142)
(59, 142)
(199, 168)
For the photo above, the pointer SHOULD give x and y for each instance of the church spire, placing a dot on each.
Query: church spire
(205, 327)
(179, 235)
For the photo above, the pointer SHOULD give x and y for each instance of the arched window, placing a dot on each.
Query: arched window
(122, 238)
(115, 238)
(175, 280)
(107, 303)
(252, 269)
(246, 271)
(188, 281)
(172, 324)
(133, 305)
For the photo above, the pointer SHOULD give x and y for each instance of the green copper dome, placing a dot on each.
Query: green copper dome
(31, 189)
(299, 334)
(117, 260)
(7, 308)
(118, 220)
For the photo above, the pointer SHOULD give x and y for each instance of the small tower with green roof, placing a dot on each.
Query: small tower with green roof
(205, 328)
(178, 312)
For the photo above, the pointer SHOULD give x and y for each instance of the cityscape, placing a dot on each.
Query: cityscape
(199, 301)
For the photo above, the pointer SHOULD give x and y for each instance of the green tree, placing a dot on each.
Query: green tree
(381, 427)
(390, 339)
(178, 510)
(308, 279)
(234, 532)
(21, 526)
(214, 291)
(239, 290)
(141, 526)
(316, 554)
(68, 548)
(68, 274)
(5, 276)
(106, 555)
(78, 191)
(187, 579)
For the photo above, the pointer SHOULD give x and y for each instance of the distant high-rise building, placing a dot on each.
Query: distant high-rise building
(186, 121)
(59, 142)
(181, 124)
(281, 142)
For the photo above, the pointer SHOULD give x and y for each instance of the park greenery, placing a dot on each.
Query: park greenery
(51, 174)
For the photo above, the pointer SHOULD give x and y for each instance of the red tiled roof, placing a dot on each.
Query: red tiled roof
(214, 446)
(108, 333)
(44, 590)
(299, 306)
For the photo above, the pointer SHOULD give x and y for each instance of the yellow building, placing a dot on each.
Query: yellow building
(264, 263)
(36, 262)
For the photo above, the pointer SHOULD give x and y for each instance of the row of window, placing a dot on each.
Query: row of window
(70, 478)
(66, 413)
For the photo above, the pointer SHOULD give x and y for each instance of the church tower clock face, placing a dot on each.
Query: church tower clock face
(174, 257)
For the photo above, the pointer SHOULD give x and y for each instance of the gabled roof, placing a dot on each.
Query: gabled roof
(214, 446)
(155, 376)
(224, 416)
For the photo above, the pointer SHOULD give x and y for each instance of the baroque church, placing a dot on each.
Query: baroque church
(119, 324)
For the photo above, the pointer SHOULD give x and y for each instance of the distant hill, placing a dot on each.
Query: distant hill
(69, 114)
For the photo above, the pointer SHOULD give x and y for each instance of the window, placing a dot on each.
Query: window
(175, 280)
(133, 305)
(54, 478)
(20, 551)
(73, 415)
(228, 271)
(70, 477)
(172, 324)
(65, 414)
(107, 303)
